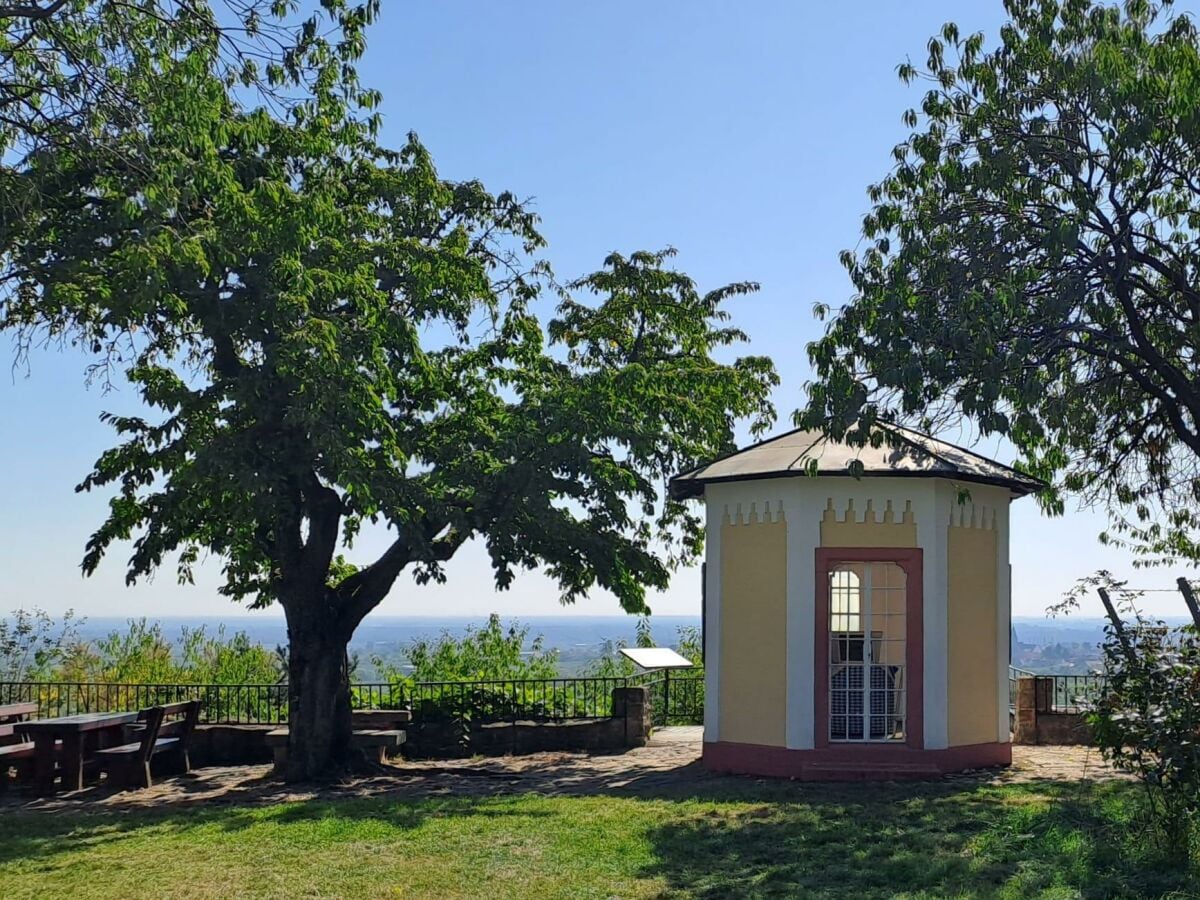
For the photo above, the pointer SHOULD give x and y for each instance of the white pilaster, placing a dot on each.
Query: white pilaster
(803, 506)
(715, 514)
(932, 510)
(1003, 616)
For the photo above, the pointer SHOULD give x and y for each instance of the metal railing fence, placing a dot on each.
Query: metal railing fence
(1072, 693)
(1060, 693)
(239, 704)
(552, 699)
(675, 698)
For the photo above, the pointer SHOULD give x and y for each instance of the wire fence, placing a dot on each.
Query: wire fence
(676, 700)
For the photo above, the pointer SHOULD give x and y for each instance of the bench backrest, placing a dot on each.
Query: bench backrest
(380, 718)
(152, 720)
(179, 719)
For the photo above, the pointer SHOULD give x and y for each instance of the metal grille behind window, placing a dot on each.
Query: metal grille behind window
(867, 628)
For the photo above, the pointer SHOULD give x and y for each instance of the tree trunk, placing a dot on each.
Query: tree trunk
(320, 731)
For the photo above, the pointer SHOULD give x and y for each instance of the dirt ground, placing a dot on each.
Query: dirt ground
(670, 763)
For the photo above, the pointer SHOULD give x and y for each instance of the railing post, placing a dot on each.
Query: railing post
(666, 697)
(1044, 696)
(1025, 731)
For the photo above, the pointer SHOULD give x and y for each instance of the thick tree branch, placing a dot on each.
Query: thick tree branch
(365, 589)
(325, 511)
(31, 11)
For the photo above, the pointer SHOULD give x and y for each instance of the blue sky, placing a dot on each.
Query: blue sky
(744, 135)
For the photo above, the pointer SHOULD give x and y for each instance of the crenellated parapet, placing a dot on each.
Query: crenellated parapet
(765, 513)
(973, 515)
(873, 527)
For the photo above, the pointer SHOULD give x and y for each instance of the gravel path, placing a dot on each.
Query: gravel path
(668, 765)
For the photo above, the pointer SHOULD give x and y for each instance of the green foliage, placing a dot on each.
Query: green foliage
(280, 333)
(80, 676)
(490, 653)
(677, 698)
(1029, 263)
(78, 73)
(449, 677)
(143, 654)
(32, 644)
(612, 663)
(690, 645)
(1147, 722)
(139, 655)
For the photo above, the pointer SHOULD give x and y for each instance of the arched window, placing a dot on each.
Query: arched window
(845, 601)
(867, 652)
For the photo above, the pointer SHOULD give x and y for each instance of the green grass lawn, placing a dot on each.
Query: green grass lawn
(732, 838)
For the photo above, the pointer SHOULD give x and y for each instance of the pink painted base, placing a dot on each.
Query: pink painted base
(852, 762)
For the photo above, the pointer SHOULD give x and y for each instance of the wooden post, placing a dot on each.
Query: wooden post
(1118, 627)
(666, 697)
(1189, 597)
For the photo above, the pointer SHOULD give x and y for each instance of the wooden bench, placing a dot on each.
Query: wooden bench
(165, 729)
(175, 733)
(15, 751)
(376, 740)
(15, 756)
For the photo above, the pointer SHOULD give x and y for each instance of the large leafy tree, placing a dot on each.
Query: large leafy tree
(329, 334)
(1031, 262)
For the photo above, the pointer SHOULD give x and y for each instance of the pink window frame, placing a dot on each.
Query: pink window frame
(911, 560)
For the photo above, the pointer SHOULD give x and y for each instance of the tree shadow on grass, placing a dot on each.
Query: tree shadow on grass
(710, 835)
(924, 840)
(34, 835)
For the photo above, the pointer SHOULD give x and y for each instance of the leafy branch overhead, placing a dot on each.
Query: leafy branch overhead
(336, 339)
(1031, 262)
(82, 74)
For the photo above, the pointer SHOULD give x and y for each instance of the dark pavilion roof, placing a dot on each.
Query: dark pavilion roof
(910, 455)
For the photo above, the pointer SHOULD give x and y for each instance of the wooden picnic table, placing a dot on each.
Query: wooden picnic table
(15, 712)
(74, 732)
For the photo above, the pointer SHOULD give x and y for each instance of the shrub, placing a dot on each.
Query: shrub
(143, 654)
(34, 649)
(1147, 722)
(492, 653)
(31, 644)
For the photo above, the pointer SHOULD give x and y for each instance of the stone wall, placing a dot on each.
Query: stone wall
(1037, 722)
(629, 726)
(230, 745)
